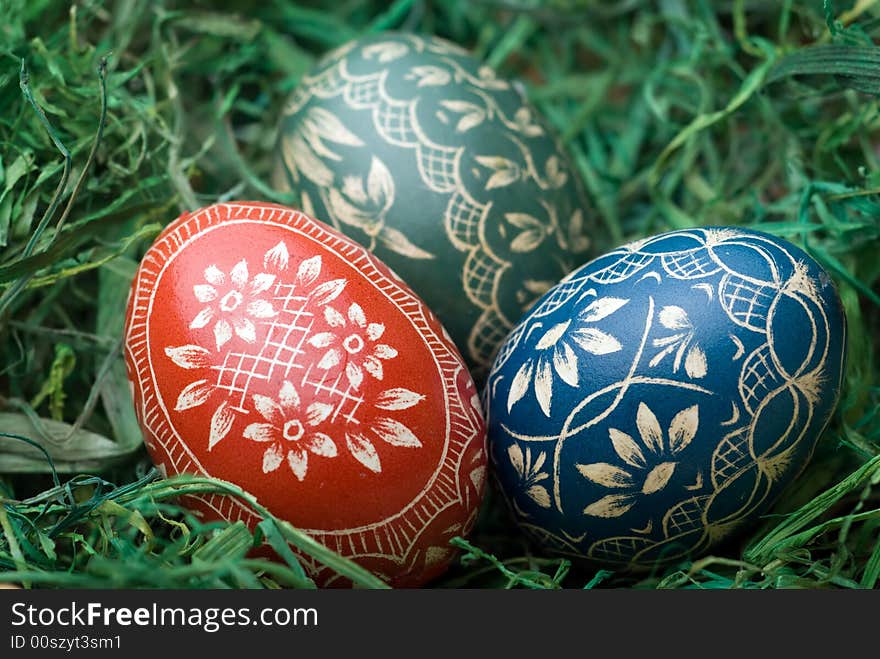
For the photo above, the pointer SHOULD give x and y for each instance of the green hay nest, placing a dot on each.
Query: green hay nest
(117, 115)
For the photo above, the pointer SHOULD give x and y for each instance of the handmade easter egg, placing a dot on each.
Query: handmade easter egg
(661, 396)
(415, 149)
(266, 349)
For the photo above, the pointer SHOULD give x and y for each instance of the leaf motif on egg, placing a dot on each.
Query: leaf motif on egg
(365, 207)
(385, 51)
(471, 115)
(504, 171)
(532, 232)
(429, 76)
(305, 149)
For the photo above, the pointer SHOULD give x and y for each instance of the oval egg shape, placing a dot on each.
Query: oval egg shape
(268, 350)
(414, 148)
(660, 397)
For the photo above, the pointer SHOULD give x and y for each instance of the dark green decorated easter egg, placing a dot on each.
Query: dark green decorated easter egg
(417, 150)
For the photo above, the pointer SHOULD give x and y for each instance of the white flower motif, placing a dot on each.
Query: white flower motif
(681, 342)
(649, 467)
(290, 431)
(231, 299)
(530, 473)
(355, 343)
(555, 352)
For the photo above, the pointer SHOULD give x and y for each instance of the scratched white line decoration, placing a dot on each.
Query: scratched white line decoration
(425, 156)
(266, 349)
(661, 396)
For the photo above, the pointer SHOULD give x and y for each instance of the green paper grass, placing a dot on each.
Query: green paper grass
(116, 116)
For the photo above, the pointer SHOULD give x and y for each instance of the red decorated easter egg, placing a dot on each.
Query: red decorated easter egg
(266, 349)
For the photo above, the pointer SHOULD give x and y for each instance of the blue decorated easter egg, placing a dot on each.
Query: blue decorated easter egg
(662, 396)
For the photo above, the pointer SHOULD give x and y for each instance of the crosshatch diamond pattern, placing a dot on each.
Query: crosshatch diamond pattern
(618, 550)
(689, 265)
(437, 165)
(731, 457)
(623, 269)
(747, 302)
(463, 220)
(558, 296)
(491, 332)
(685, 517)
(394, 121)
(365, 92)
(480, 271)
(347, 401)
(759, 378)
(278, 356)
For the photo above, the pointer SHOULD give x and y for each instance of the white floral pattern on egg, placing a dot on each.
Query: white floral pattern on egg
(268, 350)
(661, 396)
